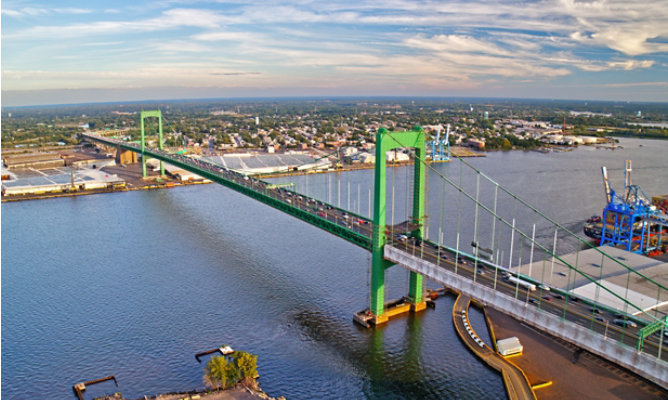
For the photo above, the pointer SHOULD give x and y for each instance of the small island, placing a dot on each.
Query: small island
(231, 376)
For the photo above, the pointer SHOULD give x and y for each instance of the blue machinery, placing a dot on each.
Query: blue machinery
(438, 146)
(631, 221)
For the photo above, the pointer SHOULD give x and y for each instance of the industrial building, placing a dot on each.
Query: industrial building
(34, 160)
(614, 277)
(30, 181)
(176, 172)
(262, 163)
(6, 175)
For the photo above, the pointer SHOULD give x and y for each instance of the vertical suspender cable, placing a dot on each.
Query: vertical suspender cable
(554, 253)
(533, 237)
(496, 195)
(475, 227)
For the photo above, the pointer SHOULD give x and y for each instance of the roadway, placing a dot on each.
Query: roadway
(517, 384)
(551, 300)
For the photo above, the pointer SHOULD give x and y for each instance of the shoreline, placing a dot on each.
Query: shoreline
(42, 196)
(131, 174)
(238, 392)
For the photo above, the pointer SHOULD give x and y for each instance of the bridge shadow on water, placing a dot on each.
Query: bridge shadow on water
(417, 356)
(406, 358)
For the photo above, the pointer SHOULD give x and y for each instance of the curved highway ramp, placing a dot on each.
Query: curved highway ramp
(516, 383)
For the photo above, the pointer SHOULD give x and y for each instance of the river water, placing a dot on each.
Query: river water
(134, 284)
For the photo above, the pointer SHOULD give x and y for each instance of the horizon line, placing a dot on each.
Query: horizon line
(315, 97)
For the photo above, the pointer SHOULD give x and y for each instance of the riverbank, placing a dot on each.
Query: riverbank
(236, 393)
(131, 174)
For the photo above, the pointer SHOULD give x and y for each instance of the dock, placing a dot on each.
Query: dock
(393, 309)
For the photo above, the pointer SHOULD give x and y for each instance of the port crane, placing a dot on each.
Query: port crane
(438, 145)
(630, 219)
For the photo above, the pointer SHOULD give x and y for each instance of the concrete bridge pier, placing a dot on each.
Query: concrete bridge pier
(125, 156)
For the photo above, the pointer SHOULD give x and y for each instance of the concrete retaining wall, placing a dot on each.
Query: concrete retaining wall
(642, 364)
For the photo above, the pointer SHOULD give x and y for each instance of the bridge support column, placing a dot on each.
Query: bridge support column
(415, 290)
(147, 114)
(378, 263)
(125, 156)
(386, 141)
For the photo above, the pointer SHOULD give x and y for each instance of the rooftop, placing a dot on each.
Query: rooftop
(609, 274)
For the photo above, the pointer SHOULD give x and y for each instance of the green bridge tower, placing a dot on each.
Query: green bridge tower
(148, 114)
(386, 141)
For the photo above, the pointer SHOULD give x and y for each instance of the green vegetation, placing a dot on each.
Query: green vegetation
(225, 372)
(508, 142)
(291, 123)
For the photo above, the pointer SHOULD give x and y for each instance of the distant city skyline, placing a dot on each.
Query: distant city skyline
(80, 51)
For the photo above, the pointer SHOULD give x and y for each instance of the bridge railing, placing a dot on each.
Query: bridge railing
(483, 256)
(564, 306)
(497, 231)
(332, 219)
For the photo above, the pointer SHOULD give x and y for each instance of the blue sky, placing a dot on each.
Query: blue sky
(79, 51)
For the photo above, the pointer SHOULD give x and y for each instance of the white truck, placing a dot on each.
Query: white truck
(521, 282)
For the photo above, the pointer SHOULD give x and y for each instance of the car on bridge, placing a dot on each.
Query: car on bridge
(625, 323)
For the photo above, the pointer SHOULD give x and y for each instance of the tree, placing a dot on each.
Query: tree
(219, 373)
(246, 364)
(222, 372)
(506, 145)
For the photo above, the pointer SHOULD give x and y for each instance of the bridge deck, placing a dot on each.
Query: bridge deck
(582, 315)
(570, 321)
(349, 226)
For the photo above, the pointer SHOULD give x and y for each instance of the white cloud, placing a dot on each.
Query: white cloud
(71, 10)
(477, 57)
(631, 64)
(455, 44)
(169, 19)
(180, 47)
(223, 36)
(179, 74)
(637, 84)
(40, 11)
(442, 44)
(24, 12)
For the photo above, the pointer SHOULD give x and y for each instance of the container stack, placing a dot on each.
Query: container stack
(661, 202)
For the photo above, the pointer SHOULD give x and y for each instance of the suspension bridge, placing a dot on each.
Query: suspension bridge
(485, 273)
